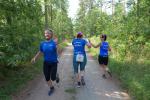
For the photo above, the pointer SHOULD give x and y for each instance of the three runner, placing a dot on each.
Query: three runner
(49, 50)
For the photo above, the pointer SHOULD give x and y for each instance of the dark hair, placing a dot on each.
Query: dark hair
(104, 36)
(79, 35)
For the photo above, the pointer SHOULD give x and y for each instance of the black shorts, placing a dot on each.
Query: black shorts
(50, 70)
(103, 60)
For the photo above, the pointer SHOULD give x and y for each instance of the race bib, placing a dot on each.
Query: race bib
(79, 58)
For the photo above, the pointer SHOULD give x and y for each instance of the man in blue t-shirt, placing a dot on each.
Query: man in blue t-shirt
(49, 50)
(79, 57)
(103, 54)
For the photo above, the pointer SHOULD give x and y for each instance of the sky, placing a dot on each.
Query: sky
(73, 7)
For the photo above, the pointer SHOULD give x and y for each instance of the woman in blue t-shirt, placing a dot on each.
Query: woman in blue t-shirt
(48, 49)
(79, 57)
(103, 54)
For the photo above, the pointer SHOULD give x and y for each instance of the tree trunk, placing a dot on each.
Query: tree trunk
(46, 14)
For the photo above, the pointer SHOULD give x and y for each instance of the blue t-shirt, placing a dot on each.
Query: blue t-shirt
(79, 46)
(49, 49)
(104, 49)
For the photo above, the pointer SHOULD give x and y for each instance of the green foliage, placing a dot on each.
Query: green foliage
(19, 30)
(58, 19)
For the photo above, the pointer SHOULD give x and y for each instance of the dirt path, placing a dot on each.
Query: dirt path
(96, 88)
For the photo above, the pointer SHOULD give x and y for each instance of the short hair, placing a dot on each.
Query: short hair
(49, 31)
(104, 36)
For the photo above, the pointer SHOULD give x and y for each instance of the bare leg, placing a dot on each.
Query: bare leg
(82, 73)
(103, 71)
(103, 68)
(78, 79)
(82, 77)
(108, 71)
(51, 87)
(50, 83)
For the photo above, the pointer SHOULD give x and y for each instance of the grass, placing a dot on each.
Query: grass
(17, 78)
(135, 77)
(71, 90)
(5, 97)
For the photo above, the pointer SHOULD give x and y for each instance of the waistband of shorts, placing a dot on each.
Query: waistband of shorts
(103, 56)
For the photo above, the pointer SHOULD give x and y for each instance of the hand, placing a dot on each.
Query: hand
(109, 49)
(33, 60)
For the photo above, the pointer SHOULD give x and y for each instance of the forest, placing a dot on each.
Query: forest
(127, 25)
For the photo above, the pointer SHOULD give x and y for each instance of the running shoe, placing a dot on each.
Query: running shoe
(104, 76)
(79, 85)
(51, 91)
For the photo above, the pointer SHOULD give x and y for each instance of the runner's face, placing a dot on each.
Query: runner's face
(48, 36)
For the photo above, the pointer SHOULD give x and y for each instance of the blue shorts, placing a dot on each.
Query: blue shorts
(77, 64)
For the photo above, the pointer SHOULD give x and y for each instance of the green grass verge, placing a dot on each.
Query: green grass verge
(17, 78)
(135, 77)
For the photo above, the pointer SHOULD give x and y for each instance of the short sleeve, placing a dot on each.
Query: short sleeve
(86, 42)
(55, 44)
(72, 41)
(41, 47)
(55, 41)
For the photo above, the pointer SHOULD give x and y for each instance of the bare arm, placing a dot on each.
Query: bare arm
(95, 46)
(109, 48)
(57, 45)
(39, 53)
(88, 45)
